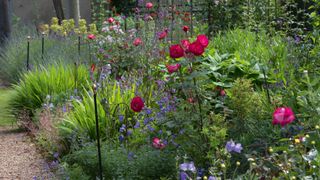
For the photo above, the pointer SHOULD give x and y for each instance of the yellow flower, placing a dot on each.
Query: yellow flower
(313, 142)
(317, 127)
(297, 141)
(238, 163)
(205, 178)
(270, 150)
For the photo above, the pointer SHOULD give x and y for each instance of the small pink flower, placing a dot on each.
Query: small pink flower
(157, 143)
(173, 68)
(283, 116)
(176, 51)
(91, 36)
(111, 20)
(203, 40)
(149, 5)
(185, 28)
(222, 92)
(137, 41)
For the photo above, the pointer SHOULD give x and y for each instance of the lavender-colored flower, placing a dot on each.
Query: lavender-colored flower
(130, 155)
(188, 167)
(184, 176)
(121, 138)
(137, 125)
(232, 146)
(121, 117)
(212, 178)
(122, 128)
(150, 128)
(129, 132)
(56, 155)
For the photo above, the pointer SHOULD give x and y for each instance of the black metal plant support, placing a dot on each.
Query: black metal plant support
(28, 52)
(97, 129)
(42, 45)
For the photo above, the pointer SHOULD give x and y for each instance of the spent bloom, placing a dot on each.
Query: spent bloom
(185, 28)
(231, 146)
(283, 116)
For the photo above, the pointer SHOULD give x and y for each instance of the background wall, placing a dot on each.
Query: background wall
(41, 11)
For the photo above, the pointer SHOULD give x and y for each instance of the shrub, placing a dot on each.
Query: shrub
(118, 163)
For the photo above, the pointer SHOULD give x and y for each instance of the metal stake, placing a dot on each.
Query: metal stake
(28, 52)
(97, 129)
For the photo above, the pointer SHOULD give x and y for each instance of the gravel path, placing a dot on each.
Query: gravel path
(19, 158)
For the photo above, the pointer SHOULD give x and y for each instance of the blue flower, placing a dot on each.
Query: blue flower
(184, 176)
(150, 128)
(121, 138)
(212, 178)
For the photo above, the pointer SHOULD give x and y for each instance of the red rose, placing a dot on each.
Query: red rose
(176, 51)
(91, 36)
(149, 5)
(203, 40)
(137, 104)
(137, 41)
(185, 44)
(283, 116)
(196, 48)
(173, 68)
(185, 28)
(110, 20)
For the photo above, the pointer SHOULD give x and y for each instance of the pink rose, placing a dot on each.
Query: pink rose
(137, 41)
(91, 36)
(149, 5)
(176, 51)
(157, 143)
(111, 20)
(283, 116)
(162, 35)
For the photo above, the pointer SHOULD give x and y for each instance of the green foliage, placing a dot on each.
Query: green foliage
(56, 83)
(143, 163)
(113, 100)
(250, 113)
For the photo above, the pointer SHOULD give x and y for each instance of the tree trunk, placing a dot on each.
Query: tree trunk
(5, 28)
(74, 10)
(59, 10)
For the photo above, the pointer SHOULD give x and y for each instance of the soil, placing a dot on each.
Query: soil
(19, 157)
